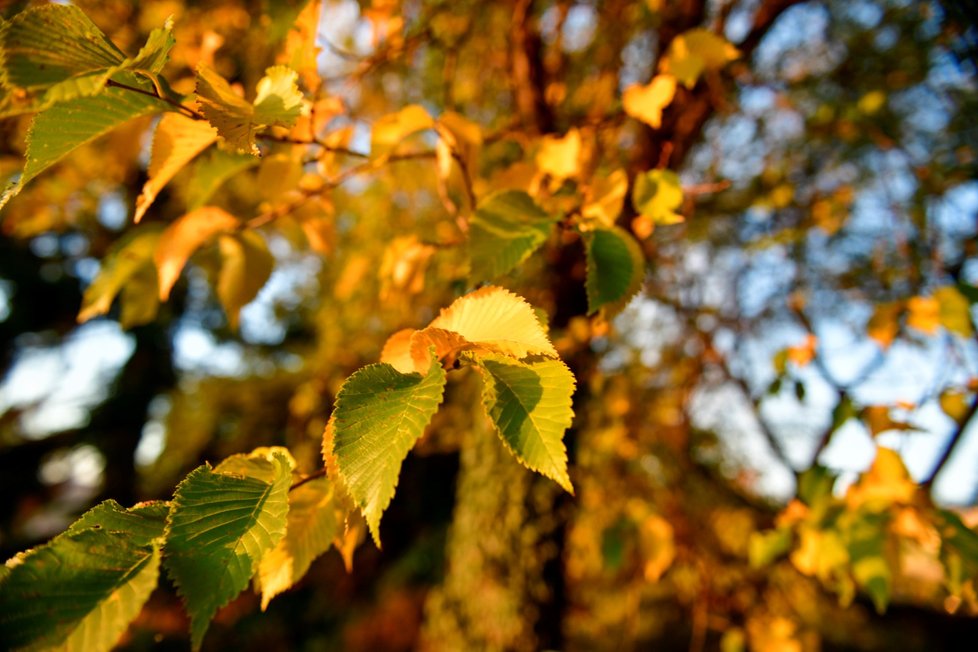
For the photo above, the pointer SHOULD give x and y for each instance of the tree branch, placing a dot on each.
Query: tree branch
(952, 445)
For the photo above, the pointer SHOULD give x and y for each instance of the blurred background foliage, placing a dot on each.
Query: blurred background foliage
(815, 302)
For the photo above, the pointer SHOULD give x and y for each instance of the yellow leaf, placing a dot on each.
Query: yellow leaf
(819, 553)
(403, 267)
(802, 354)
(300, 46)
(560, 157)
(879, 420)
(658, 546)
(646, 103)
(183, 237)
(884, 325)
(955, 311)
(246, 265)
(954, 404)
(694, 51)
(391, 129)
(872, 102)
(887, 482)
(462, 136)
(177, 141)
(497, 319)
(924, 314)
(657, 195)
(604, 201)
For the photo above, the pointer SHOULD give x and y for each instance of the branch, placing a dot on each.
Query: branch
(952, 445)
(527, 75)
(190, 113)
(321, 473)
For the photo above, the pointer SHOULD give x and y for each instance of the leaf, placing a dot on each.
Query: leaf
(884, 324)
(657, 195)
(879, 420)
(59, 130)
(646, 103)
(507, 227)
(885, 483)
(380, 413)
(183, 237)
(959, 551)
(657, 543)
(178, 139)
(529, 403)
(462, 136)
(694, 51)
(765, 547)
(313, 523)
(246, 265)
(560, 156)
(81, 590)
(124, 265)
(615, 267)
(498, 320)
(219, 528)
(604, 201)
(300, 51)
(278, 103)
(211, 170)
(924, 314)
(391, 129)
(954, 404)
(955, 310)
(51, 43)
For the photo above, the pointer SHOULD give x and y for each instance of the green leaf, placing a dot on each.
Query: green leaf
(51, 43)
(615, 267)
(59, 130)
(314, 521)
(210, 171)
(59, 48)
(380, 413)
(507, 227)
(220, 526)
(81, 590)
(128, 268)
(143, 523)
(246, 265)
(530, 405)
(866, 541)
(815, 486)
(959, 551)
(279, 103)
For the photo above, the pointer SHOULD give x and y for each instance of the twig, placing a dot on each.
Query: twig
(189, 112)
(321, 473)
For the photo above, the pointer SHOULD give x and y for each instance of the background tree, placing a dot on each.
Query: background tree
(748, 229)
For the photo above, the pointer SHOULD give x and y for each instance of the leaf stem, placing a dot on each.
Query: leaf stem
(186, 109)
(321, 473)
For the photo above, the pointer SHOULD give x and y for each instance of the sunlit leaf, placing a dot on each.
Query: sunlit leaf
(924, 314)
(955, 311)
(300, 49)
(64, 127)
(657, 542)
(879, 420)
(246, 264)
(615, 267)
(560, 156)
(884, 324)
(313, 524)
(954, 404)
(885, 483)
(51, 43)
(646, 103)
(211, 170)
(278, 103)
(178, 139)
(220, 526)
(81, 590)
(658, 195)
(529, 404)
(130, 262)
(507, 227)
(694, 51)
(765, 547)
(380, 414)
(183, 237)
(604, 201)
(497, 319)
(390, 130)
